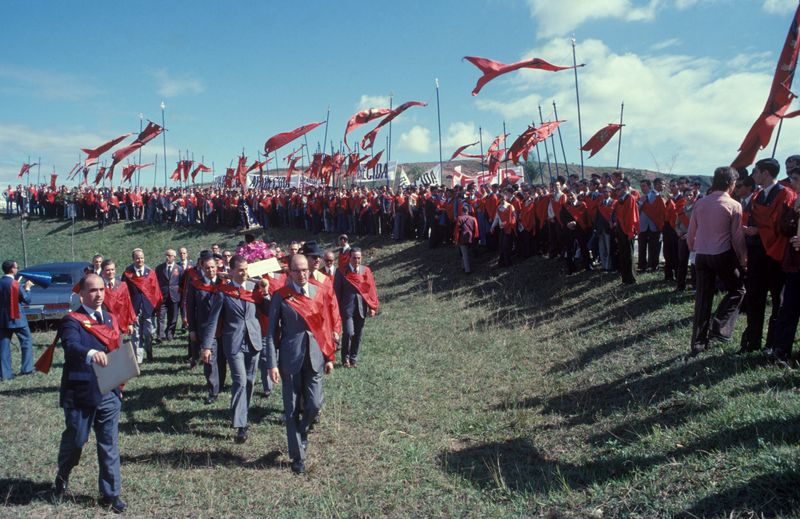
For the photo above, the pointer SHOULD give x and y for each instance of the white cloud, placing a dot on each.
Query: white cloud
(169, 86)
(779, 6)
(45, 84)
(694, 107)
(672, 42)
(416, 140)
(559, 18)
(368, 101)
(459, 134)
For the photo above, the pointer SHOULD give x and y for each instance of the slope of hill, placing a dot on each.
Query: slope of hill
(514, 392)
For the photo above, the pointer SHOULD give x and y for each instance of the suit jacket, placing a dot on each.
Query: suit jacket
(78, 381)
(295, 338)
(170, 281)
(239, 322)
(140, 302)
(198, 307)
(351, 302)
(5, 309)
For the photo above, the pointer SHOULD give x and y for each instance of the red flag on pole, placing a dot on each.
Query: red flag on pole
(241, 172)
(101, 171)
(601, 138)
(74, 170)
(176, 175)
(370, 136)
(25, 168)
(374, 161)
(200, 168)
(492, 69)
(462, 148)
(94, 153)
(53, 178)
(778, 100)
(292, 169)
(281, 139)
(148, 134)
(362, 118)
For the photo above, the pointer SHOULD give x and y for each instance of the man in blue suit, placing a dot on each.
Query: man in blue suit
(84, 406)
(12, 321)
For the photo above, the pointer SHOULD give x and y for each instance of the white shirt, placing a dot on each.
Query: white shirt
(91, 313)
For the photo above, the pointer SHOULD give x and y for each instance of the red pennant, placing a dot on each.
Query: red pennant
(492, 69)
(373, 162)
(94, 153)
(462, 148)
(601, 138)
(281, 139)
(370, 136)
(362, 118)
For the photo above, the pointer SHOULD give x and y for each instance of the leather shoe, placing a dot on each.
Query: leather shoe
(61, 487)
(116, 504)
(210, 399)
(241, 435)
(697, 349)
(298, 467)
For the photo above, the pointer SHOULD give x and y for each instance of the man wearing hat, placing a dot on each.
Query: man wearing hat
(765, 250)
(13, 321)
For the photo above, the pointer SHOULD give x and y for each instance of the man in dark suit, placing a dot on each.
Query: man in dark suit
(169, 278)
(13, 321)
(306, 349)
(84, 406)
(237, 304)
(146, 297)
(200, 288)
(353, 305)
(184, 263)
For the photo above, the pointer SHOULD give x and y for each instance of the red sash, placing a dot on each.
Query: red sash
(332, 315)
(344, 258)
(118, 302)
(13, 309)
(508, 218)
(628, 216)
(256, 297)
(196, 281)
(108, 336)
(275, 283)
(147, 285)
(606, 210)
(578, 213)
(768, 218)
(313, 313)
(365, 284)
(655, 211)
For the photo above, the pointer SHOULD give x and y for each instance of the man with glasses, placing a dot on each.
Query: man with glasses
(329, 264)
(306, 349)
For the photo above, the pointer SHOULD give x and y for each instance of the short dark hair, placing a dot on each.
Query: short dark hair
(748, 182)
(355, 249)
(724, 178)
(107, 263)
(8, 265)
(236, 260)
(771, 166)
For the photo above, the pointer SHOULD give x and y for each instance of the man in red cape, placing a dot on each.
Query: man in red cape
(146, 298)
(625, 221)
(117, 298)
(358, 299)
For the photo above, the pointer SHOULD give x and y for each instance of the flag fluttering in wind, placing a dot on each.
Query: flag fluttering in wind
(101, 171)
(370, 136)
(778, 101)
(53, 178)
(151, 131)
(281, 139)
(292, 168)
(530, 138)
(362, 118)
(94, 153)
(354, 162)
(373, 162)
(182, 170)
(601, 138)
(241, 172)
(459, 151)
(128, 171)
(74, 171)
(229, 173)
(492, 69)
(199, 168)
(25, 169)
(259, 165)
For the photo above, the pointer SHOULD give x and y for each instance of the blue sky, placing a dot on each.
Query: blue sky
(694, 74)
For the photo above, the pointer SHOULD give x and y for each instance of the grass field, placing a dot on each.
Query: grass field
(514, 392)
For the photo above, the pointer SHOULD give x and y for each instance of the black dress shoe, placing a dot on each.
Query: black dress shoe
(210, 399)
(298, 467)
(241, 435)
(61, 487)
(697, 349)
(115, 504)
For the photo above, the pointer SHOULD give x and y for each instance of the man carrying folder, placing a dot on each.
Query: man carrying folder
(88, 335)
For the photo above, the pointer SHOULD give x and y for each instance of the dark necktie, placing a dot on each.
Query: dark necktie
(98, 317)
(762, 197)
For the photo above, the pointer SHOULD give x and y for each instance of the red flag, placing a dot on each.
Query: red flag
(176, 175)
(110, 174)
(601, 138)
(370, 136)
(355, 161)
(186, 168)
(462, 148)
(495, 145)
(85, 176)
(315, 168)
(362, 118)
(229, 174)
(94, 153)
(778, 101)
(492, 69)
(281, 139)
(127, 171)
(200, 167)
(25, 169)
(74, 171)
(53, 178)
(151, 131)
(259, 165)
(374, 161)
(292, 169)
(101, 171)
(241, 172)
(520, 144)
(292, 154)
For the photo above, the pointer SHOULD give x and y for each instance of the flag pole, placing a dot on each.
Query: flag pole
(777, 136)
(563, 152)
(28, 180)
(505, 152)
(164, 134)
(389, 145)
(325, 139)
(578, 100)
(155, 171)
(139, 173)
(555, 153)
(39, 169)
(480, 136)
(546, 151)
(439, 122)
(619, 142)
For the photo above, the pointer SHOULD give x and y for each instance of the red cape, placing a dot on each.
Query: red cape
(147, 285)
(365, 284)
(313, 313)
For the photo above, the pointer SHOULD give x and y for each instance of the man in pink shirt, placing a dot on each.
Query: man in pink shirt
(716, 236)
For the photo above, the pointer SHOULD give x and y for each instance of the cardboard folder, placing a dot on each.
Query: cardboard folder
(122, 366)
(259, 268)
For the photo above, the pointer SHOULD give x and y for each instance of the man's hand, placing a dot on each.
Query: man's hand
(335, 337)
(130, 328)
(28, 284)
(193, 336)
(205, 356)
(100, 359)
(371, 312)
(274, 375)
(571, 225)
(328, 367)
(750, 231)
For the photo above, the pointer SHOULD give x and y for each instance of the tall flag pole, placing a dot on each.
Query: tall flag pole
(539, 156)
(480, 134)
(139, 173)
(28, 181)
(578, 100)
(439, 121)
(546, 151)
(39, 171)
(389, 144)
(325, 138)
(619, 142)
(155, 170)
(774, 147)
(164, 133)
(563, 152)
(505, 151)
(555, 153)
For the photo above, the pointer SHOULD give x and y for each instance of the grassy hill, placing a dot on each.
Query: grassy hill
(515, 392)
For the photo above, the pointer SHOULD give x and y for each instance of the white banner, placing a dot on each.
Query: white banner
(271, 181)
(430, 177)
(513, 175)
(382, 173)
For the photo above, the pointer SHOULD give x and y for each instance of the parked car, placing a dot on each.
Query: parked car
(53, 303)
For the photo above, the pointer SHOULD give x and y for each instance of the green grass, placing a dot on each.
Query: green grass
(513, 392)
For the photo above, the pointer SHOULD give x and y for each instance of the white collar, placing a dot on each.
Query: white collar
(8, 276)
(91, 312)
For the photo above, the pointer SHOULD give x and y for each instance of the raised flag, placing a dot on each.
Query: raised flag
(362, 118)
(462, 148)
(492, 69)
(601, 138)
(94, 153)
(200, 168)
(53, 178)
(25, 169)
(374, 161)
(101, 171)
(151, 131)
(241, 172)
(370, 136)
(281, 139)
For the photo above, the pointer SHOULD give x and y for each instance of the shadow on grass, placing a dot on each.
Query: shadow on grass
(182, 459)
(21, 492)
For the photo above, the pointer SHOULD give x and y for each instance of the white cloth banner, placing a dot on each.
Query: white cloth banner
(382, 173)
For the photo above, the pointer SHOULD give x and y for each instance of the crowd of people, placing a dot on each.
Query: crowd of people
(287, 323)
